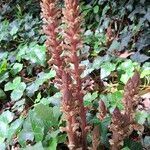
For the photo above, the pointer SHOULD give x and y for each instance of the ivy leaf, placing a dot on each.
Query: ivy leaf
(106, 69)
(53, 143)
(42, 77)
(17, 67)
(88, 98)
(56, 112)
(14, 27)
(141, 117)
(126, 66)
(125, 77)
(17, 88)
(46, 114)
(139, 57)
(5, 118)
(114, 46)
(96, 9)
(104, 130)
(27, 132)
(34, 53)
(37, 127)
(115, 100)
(3, 129)
(147, 141)
(14, 127)
(2, 94)
(3, 55)
(3, 66)
(145, 70)
(18, 92)
(128, 70)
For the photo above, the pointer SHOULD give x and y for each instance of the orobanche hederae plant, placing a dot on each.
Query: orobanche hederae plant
(62, 26)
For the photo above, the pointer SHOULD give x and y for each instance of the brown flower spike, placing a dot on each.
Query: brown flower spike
(51, 15)
(72, 45)
(65, 58)
(123, 123)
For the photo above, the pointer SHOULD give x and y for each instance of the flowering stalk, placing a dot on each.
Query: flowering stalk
(72, 45)
(68, 79)
(51, 15)
(123, 123)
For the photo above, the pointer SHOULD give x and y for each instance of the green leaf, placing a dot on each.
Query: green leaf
(88, 98)
(114, 46)
(61, 138)
(104, 130)
(115, 100)
(132, 145)
(145, 70)
(18, 88)
(3, 77)
(9, 86)
(16, 94)
(46, 114)
(127, 66)
(6, 117)
(34, 53)
(2, 95)
(141, 117)
(96, 9)
(56, 112)
(146, 141)
(138, 57)
(3, 129)
(2, 146)
(26, 133)
(17, 67)
(106, 8)
(106, 69)
(37, 128)
(33, 127)
(53, 144)
(125, 77)
(14, 127)
(42, 77)
(3, 66)
(3, 55)
(14, 27)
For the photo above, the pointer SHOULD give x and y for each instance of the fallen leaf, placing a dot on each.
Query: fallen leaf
(125, 54)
